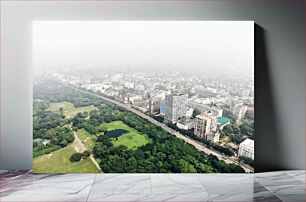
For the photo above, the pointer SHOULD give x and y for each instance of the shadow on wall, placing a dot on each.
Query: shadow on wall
(267, 145)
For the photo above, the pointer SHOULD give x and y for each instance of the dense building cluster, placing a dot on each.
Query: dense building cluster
(203, 105)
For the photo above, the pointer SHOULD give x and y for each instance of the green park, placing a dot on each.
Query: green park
(69, 110)
(132, 139)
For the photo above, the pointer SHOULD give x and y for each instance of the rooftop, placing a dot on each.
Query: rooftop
(185, 121)
(223, 120)
(248, 142)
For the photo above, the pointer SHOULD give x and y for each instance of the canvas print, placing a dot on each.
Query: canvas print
(143, 96)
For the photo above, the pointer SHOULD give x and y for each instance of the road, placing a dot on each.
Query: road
(199, 146)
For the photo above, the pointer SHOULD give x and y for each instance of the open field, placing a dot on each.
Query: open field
(69, 109)
(87, 139)
(58, 162)
(132, 140)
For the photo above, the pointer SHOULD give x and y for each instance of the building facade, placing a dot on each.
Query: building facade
(246, 148)
(175, 107)
(202, 126)
(239, 112)
(205, 124)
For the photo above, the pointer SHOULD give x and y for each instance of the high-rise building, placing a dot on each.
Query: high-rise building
(202, 126)
(205, 124)
(162, 107)
(155, 102)
(239, 111)
(175, 107)
(246, 148)
(154, 105)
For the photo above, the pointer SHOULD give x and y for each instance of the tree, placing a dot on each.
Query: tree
(236, 129)
(102, 129)
(90, 129)
(228, 129)
(104, 140)
(63, 143)
(228, 113)
(86, 154)
(247, 129)
(247, 160)
(195, 113)
(76, 157)
(185, 167)
(249, 115)
(132, 164)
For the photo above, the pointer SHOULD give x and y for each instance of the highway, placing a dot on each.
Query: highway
(198, 145)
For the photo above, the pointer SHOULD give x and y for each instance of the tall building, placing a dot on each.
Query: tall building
(239, 111)
(246, 148)
(162, 107)
(155, 102)
(202, 126)
(175, 107)
(205, 124)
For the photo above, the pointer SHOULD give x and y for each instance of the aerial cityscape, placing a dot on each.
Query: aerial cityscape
(119, 118)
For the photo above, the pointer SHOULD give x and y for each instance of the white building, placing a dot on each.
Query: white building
(95, 87)
(189, 112)
(185, 123)
(129, 85)
(140, 87)
(246, 148)
(135, 98)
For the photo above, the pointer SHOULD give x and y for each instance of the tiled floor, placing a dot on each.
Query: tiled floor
(272, 186)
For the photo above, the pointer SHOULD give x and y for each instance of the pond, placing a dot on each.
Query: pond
(116, 133)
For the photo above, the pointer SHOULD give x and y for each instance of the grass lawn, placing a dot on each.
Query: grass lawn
(133, 139)
(69, 109)
(58, 162)
(87, 139)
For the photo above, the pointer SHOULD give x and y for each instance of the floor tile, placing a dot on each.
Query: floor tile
(43, 198)
(298, 175)
(219, 184)
(149, 198)
(50, 184)
(175, 184)
(281, 183)
(245, 198)
(120, 184)
(292, 197)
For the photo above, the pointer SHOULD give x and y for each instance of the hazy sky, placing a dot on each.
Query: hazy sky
(159, 45)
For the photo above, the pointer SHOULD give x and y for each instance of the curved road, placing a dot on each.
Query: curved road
(199, 146)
